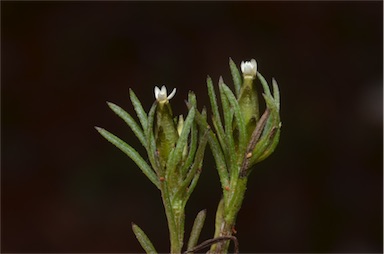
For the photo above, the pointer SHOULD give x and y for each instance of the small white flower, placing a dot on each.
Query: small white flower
(161, 94)
(249, 68)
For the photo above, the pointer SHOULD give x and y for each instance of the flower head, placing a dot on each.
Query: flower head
(161, 94)
(249, 68)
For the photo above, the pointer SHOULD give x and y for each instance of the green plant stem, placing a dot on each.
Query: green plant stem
(227, 217)
(175, 217)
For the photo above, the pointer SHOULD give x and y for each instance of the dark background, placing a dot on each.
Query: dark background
(66, 189)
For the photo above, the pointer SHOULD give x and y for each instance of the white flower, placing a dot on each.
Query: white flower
(249, 68)
(161, 94)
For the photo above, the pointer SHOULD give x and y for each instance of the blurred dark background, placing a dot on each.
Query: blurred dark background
(66, 189)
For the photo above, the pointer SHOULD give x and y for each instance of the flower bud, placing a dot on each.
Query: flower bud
(249, 69)
(248, 98)
(166, 133)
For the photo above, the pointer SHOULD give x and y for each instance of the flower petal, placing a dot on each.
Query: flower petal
(157, 91)
(249, 68)
(172, 94)
(164, 90)
(242, 66)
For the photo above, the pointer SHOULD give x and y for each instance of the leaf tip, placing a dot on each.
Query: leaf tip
(131, 93)
(110, 104)
(221, 81)
(209, 80)
(203, 212)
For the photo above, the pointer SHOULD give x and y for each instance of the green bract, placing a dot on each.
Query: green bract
(165, 131)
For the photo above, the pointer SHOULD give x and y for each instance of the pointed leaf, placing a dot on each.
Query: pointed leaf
(197, 162)
(143, 239)
(239, 121)
(151, 147)
(276, 93)
(196, 169)
(271, 147)
(236, 76)
(216, 150)
(215, 110)
(132, 153)
(229, 149)
(264, 84)
(270, 135)
(196, 229)
(130, 121)
(191, 100)
(191, 150)
(274, 118)
(139, 109)
(175, 156)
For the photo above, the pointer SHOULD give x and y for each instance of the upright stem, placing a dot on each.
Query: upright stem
(175, 217)
(226, 218)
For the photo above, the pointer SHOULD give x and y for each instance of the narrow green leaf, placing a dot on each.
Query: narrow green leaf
(191, 100)
(143, 239)
(132, 153)
(197, 166)
(267, 141)
(219, 219)
(197, 162)
(130, 121)
(239, 119)
(151, 147)
(274, 118)
(276, 93)
(228, 113)
(265, 146)
(138, 108)
(272, 102)
(216, 150)
(175, 156)
(191, 150)
(264, 84)
(204, 113)
(215, 109)
(221, 136)
(236, 76)
(196, 229)
(194, 136)
(228, 124)
(271, 147)
(183, 138)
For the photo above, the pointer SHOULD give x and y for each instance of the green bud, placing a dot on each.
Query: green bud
(166, 134)
(248, 98)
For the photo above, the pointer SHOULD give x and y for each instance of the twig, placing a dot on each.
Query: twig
(209, 242)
